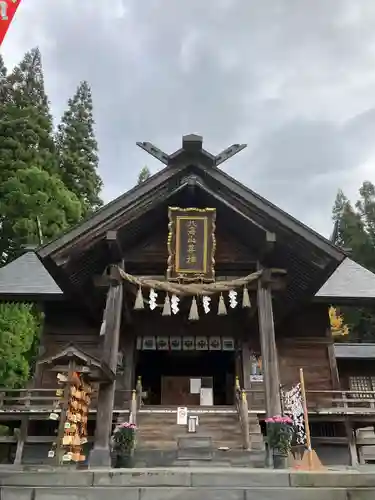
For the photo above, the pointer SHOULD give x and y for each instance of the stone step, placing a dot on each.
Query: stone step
(160, 430)
(185, 483)
(184, 493)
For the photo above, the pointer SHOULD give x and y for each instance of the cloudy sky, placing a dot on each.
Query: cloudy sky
(294, 79)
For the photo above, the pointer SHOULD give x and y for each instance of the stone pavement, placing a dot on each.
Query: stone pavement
(187, 484)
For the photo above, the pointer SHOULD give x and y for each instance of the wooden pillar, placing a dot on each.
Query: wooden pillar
(100, 455)
(352, 445)
(335, 378)
(268, 347)
(246, 365)
(21, 439)
(128, 377)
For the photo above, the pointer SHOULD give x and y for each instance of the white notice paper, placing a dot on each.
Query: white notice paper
(207, 398)
(195, 385)
(181, 415)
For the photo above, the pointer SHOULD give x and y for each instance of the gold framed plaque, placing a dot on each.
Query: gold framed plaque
(191, 243)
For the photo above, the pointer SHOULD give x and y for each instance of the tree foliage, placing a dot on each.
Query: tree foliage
(38, 182)
(30, 185)
(30, 194)
(144, 174)
(19, 330)
(78, 150)
(355, 231)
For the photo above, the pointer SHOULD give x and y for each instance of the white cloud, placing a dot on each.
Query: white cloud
(294, 79)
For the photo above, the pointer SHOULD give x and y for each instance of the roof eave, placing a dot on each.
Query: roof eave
(277, 214)
(108, 211)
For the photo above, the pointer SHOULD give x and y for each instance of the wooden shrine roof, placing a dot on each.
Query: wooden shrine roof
(350, 282)
(95, 368)
(354, 351)
(191, 178)
(27, 278)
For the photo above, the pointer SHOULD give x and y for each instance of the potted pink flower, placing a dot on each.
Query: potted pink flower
(280, 432)
(123, 444)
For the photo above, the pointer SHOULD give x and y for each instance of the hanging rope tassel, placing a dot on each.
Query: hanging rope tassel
(139, 304)
(193, 314)
(222, 309)
(167, 306)
(246, 298)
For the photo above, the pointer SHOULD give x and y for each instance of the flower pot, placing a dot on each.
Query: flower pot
(280, 460)
(123, 461)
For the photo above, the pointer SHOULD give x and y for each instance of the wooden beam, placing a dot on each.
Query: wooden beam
(114, 247)
(21, 439)
(335, 378)
(246, 365)
(228, 153)
(276, 279)
(268, 348)
(100, 455)
(270, 241)
(352, 445)
(154, 151)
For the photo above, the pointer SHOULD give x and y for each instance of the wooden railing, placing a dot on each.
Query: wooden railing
(335, 402)
(43, 400)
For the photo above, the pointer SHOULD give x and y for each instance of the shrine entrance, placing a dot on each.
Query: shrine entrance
(187, 378)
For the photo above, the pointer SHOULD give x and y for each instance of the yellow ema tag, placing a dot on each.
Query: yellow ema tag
(67, 457)
(67, 440)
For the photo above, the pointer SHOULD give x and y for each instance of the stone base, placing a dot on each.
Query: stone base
(185, 484)
(100, 457)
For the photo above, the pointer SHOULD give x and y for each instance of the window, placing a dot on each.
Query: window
(362, 384)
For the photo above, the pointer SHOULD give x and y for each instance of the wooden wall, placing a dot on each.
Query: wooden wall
(309, 355)
(65, 324)
(154, 250)
(304, 342)
(311, 321)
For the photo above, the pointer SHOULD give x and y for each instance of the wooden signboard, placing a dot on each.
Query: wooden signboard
(191, 243)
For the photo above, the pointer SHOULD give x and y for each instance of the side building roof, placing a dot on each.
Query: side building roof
(350, 281)
(26, 277)
(354, 351)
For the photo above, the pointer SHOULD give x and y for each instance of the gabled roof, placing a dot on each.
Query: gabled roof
(349, 281)
(96, 368)
(192, 174)
(27, 277)
(170, 177)
(354, 351)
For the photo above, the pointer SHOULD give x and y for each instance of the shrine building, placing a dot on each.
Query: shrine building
(184, 293)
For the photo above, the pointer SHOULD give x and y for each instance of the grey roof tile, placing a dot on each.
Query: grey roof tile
(27, 276)
(354, 351)
(349, 280)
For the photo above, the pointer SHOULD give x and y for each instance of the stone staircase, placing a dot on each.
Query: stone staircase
(186, 484)
(218, 439)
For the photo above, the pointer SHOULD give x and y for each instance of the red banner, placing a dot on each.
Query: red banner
(8, 8)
